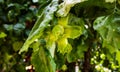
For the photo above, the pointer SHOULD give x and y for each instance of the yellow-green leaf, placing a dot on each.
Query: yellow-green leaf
(62, 44)
(111, 1)
(17, 45)
(40, 25)
(57, 30)
(118, 57)
(63, 21)
(2, 35)
(72, 31)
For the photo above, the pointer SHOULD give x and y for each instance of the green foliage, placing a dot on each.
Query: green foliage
(70, 29)
(118, 56)
(78, 53)
(73, 31)
(16, 19)
(65, 7)
(67, 33)
(17, 45)
(37, 31)
(108, 27)
(42, 61)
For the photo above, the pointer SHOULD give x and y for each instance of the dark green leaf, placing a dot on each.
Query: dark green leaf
(77, 53)
(108, 27)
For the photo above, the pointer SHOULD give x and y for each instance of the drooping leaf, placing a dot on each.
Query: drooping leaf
(51, 43)
(40, 25)
(50, 39)
(42, 62)
(52, 49)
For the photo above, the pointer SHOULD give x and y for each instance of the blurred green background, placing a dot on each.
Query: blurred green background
(16, 20)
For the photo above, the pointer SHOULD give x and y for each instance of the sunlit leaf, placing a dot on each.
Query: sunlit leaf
(62, 44)
(64, 67)
(2, 35)
(57, 30)
(102, 56)
(73, 31)
(40, 25)
(118, 57)
(111, 1)
(50, 40)
(63, 21)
